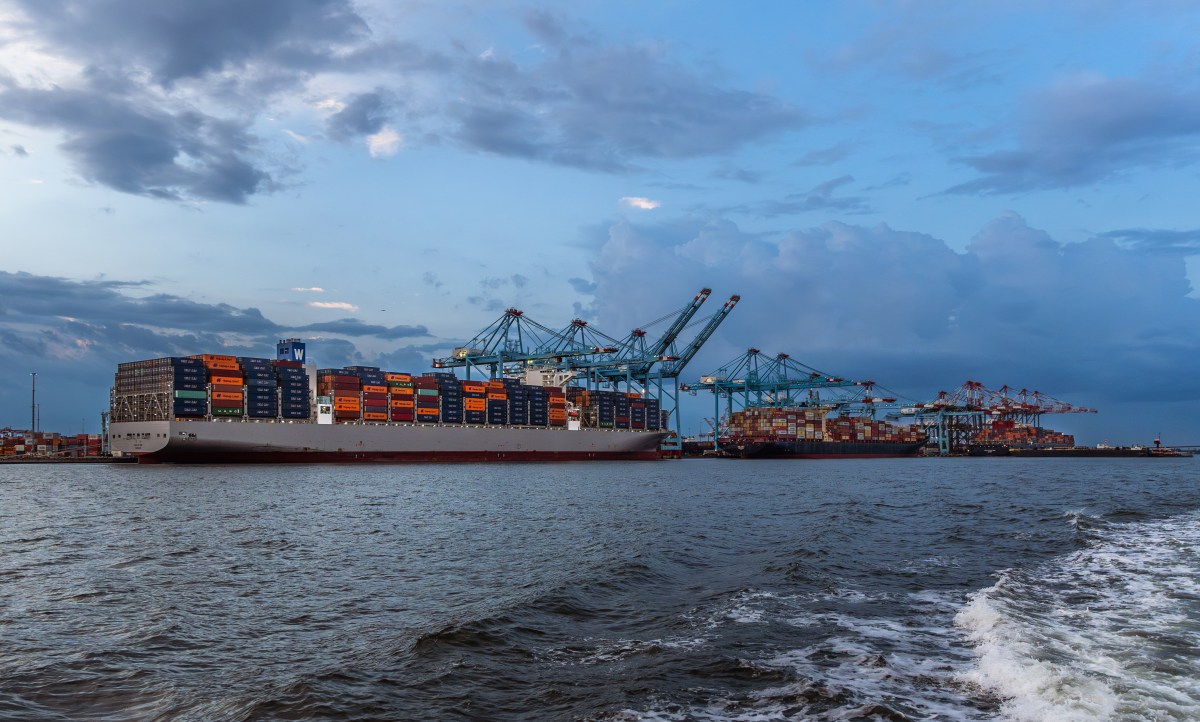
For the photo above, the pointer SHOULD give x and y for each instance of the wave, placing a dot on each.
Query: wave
(1105, 632)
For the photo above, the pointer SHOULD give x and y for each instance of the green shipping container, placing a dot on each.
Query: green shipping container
(191, 394)
(427, 392)
(226, 412)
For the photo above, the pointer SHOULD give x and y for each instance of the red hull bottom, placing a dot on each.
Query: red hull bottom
(340, 457)
(840, 456)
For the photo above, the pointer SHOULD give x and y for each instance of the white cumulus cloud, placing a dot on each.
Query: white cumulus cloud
(644, 204)
(333, 104)
(314, 289)
(339, 305)
(384, 143)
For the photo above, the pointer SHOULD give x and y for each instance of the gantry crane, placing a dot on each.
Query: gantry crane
(515, 344)
(754, 379)
(954, 418)
(512, 343)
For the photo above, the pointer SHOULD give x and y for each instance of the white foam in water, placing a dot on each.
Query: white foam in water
(869, 663)
(1111, 632)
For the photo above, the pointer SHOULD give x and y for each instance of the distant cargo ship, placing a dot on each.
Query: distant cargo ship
(224, 409)
(827, 449)
(808, 433)
(1074, 452)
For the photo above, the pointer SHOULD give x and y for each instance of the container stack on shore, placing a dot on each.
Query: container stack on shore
(17, 444)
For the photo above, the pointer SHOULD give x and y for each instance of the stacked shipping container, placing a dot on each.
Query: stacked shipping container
(1012, 433)
(213, 385)
(17, 444)
(811, 424)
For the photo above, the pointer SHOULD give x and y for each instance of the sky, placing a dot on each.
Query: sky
(915, 193)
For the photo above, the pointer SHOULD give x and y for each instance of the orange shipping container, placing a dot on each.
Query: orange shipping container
(475, 404)
(226, 380)
(497, 396)
(403, 403)
(397, 378)
(207, 357)
(226, 396)
(375, 416)
(374, 389)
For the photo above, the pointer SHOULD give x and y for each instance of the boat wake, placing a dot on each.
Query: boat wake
(1108, 632)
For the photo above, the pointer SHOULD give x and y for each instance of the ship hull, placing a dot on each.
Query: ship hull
(219, 441)
(827, 450)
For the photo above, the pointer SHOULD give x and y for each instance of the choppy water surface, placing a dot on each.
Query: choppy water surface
(960, 589)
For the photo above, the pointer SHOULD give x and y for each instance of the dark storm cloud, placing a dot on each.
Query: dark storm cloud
(364, 114)
(107, 305)
(1157, 240)
(1093, 323)
(1088, 131)
(126, 128)
(188, 39)
(169, 93)
(19, 151)
(74, 333)
(140, 149)
(604, 107)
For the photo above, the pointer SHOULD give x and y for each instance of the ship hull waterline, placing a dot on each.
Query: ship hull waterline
(828, 450)
(221, 441)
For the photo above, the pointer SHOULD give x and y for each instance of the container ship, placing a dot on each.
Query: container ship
(809, 433)
(224, 409)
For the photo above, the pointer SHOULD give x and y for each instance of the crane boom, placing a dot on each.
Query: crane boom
(672, 333)
(676, 366)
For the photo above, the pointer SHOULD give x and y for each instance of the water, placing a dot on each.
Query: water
(909, 589)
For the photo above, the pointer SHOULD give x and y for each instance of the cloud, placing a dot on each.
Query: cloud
(142, 150)
(19, 151)
(193, 40)
(356, 327)
(75, 332)
(644, 204)
(338, 305)
(167, 103)
(1157, 240)
(314, 289)
(582, 286)
(823, 156)
(386, 142)
(1093, 323)
(820, 198)
(729, 172)
(605, 106)
(1089, 129)
(364, 115)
